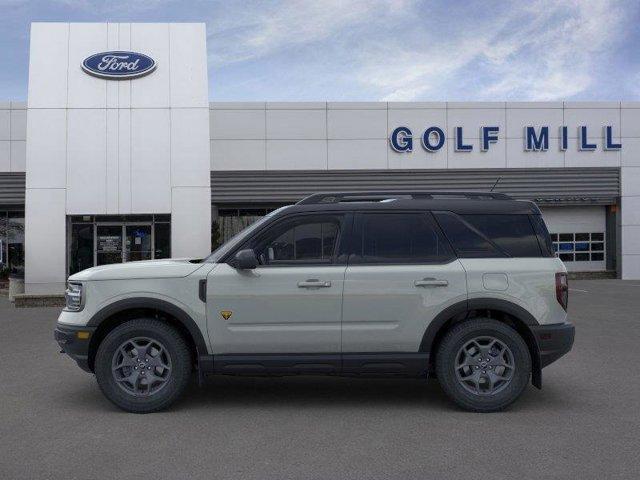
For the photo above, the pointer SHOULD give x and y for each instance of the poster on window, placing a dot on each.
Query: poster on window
(109, 243)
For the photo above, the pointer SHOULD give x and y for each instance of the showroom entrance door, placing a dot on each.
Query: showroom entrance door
(108, 245)
(102, 240)
(123, 243)
(138, 241)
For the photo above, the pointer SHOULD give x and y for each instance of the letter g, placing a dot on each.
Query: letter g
(401, 139)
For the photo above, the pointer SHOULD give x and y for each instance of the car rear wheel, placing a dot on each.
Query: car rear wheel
(143, 365)
(483, 365)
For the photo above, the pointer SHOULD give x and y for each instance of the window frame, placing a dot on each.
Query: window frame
(542, 233)
(357, 236)
(338, 257)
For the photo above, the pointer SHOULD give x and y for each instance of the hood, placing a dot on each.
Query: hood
(167, 268)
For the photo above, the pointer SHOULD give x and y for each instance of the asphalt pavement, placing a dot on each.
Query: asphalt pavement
(583, 424)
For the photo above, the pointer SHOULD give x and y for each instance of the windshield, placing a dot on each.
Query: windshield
(239, 237)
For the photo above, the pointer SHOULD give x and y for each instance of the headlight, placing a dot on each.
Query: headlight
(73, 297)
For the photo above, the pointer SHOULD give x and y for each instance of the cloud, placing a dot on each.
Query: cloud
(386, 49)
(408, 50)
(540, 51)
(261, 29)
(110, 6)
(557, 56)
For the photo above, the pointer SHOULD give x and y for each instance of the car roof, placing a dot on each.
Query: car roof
(457, 202)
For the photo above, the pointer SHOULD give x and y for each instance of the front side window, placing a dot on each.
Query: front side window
(305, 240)
(240, 237)
(400, 238)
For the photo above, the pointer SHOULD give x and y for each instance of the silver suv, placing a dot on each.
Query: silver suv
(463, 287)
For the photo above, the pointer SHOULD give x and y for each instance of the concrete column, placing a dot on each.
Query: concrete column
(630, 191)
(191, 222)
(45, 241)
(630, 225)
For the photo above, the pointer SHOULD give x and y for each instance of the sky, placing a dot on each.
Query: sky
(377, 50)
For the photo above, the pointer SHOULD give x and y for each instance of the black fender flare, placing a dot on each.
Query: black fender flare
(156, 304)
(461, 309)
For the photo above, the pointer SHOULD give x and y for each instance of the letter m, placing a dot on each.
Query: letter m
(533, 142)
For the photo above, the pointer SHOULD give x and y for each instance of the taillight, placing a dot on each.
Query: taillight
(562, 289)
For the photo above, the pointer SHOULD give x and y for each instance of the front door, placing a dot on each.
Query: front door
(401, 274)
(137, 243)
(123, 243)
(108, 244)
(291, 303)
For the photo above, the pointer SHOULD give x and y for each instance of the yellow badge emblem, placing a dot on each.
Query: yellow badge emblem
(226, 314)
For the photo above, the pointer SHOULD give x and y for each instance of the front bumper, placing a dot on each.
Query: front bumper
(75, 342)
(553, 341)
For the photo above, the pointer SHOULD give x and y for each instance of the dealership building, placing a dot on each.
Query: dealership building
(118, 155)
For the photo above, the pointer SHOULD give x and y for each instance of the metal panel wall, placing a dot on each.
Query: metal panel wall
(12, 188)
(563, 186)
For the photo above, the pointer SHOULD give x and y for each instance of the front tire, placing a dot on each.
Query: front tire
(483, 365)
(143, 365)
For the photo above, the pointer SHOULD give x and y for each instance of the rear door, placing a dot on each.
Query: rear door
(401, 274)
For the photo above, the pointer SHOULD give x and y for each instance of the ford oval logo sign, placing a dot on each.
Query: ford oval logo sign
(118, 65)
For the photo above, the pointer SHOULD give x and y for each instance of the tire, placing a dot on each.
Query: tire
(152, 376)
(491, 386)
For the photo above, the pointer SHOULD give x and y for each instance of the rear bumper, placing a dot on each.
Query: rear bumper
(554, 341)
(77, 348)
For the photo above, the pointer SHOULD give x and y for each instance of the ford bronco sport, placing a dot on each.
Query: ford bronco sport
(460, 286)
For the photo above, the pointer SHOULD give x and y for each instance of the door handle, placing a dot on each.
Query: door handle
(431, 282)
(313, 283)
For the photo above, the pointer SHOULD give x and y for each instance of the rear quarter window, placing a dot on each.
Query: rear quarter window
(494, 235)
(514, 234)
(467, 241)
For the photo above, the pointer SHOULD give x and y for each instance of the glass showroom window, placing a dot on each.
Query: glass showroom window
(11, 243)
(230, 221)
(4, 267)
(104, 239)
(162, 240)
(579, 247)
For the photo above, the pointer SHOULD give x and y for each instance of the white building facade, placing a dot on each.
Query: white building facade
(100, 170)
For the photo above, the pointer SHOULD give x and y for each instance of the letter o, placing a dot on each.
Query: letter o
(426, 140)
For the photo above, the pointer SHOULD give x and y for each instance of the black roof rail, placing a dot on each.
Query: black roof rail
(337, 197)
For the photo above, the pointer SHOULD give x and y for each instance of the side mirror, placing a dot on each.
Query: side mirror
(245, 260)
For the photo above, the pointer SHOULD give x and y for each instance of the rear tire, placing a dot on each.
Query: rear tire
(483, 365)
(143, 365)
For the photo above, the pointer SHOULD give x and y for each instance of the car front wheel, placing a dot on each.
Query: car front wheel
(143, 365)
(483, 365)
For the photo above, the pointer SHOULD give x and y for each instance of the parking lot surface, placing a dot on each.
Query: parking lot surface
(55, 423)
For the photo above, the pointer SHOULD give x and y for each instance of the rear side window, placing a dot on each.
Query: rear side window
(514, 234)
(467, 241)
(399, 238)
